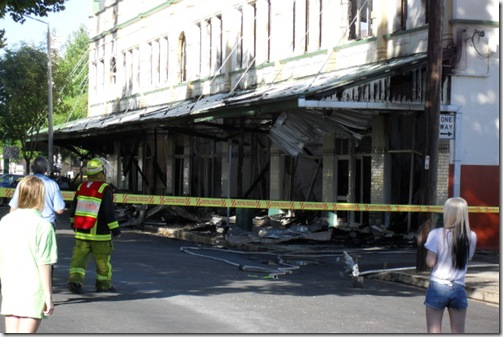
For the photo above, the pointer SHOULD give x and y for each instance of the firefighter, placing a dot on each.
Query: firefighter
(93, 220)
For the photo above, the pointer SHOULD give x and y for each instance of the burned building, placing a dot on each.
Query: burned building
(308, 100)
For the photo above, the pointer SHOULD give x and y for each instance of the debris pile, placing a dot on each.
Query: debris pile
(305, 227)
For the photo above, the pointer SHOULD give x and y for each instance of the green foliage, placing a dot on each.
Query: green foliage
(2, 38)
(24, 85)
(71, 78)
(18, 9)
(23, 95)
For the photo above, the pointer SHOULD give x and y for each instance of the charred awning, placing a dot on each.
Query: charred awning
(293, 130)
(268, 101)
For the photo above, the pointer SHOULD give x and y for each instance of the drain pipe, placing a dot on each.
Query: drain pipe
(458, 154)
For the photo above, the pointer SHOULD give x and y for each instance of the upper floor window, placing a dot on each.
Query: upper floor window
(246, 48)
(359, 17)
(163, 59)
(182, 57)
(113, 70)
(240, 42)
(155, 60)
(307, 25)
(425, 7)
(113, 64)
(216, 44)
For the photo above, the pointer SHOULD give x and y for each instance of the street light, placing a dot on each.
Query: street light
(49, 95)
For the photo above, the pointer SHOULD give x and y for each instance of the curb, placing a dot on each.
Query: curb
(423, 282)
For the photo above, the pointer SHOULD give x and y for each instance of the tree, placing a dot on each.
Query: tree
(19, 9)
(23, 96)
(71, 78)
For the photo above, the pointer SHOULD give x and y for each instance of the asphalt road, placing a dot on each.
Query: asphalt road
(171, 286)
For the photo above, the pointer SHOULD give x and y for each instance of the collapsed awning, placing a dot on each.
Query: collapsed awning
(292, 131)
(279, 97)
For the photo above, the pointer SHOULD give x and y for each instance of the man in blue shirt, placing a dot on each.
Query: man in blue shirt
(54, 203)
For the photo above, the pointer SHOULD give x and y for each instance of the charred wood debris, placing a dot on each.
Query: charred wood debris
(299, 227)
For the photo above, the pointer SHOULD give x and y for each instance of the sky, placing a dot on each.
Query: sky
(62, 25)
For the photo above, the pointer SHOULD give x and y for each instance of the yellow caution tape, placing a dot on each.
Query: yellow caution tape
(266, 204)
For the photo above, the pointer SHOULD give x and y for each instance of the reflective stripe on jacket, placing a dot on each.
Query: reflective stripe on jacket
(89, 196)
(102, 218)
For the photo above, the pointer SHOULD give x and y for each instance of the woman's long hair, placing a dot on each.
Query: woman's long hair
(456, 219)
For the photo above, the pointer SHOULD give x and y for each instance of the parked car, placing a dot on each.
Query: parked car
(9, 181)
(65, 183)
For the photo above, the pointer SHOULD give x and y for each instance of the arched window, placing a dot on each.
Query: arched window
(182, 57)
(113, 70)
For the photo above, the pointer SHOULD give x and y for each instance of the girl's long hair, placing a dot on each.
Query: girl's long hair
(456, 219)
(31, 193)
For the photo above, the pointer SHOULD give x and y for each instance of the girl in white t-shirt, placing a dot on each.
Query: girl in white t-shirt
(449, 249)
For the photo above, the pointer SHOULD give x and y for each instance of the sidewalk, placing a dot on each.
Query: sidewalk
(482, 278)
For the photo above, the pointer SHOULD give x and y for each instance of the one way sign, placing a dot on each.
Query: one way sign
(446, 127)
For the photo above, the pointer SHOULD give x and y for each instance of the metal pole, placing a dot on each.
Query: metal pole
(49, 95)
(229, 177)
(50, 133)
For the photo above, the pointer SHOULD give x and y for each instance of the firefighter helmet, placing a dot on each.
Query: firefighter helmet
(95, 166)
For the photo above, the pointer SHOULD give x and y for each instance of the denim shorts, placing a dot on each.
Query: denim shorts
(440, 296)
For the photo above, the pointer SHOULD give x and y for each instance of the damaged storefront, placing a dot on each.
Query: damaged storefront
(348, 136)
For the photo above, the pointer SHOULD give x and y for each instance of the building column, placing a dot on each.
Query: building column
(186, 165)
(444, 159)
(329, 184)
(277, 171)
(116, 162)
(380, 28)
(227, 170)
(169, 164)
(379, 169)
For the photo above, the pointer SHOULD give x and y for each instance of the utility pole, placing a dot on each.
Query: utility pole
(50, 134)
(432, 114)
(50, 106)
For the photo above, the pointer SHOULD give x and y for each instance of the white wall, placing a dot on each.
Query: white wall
(480, 122)
(476, 10)
(476, 81)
